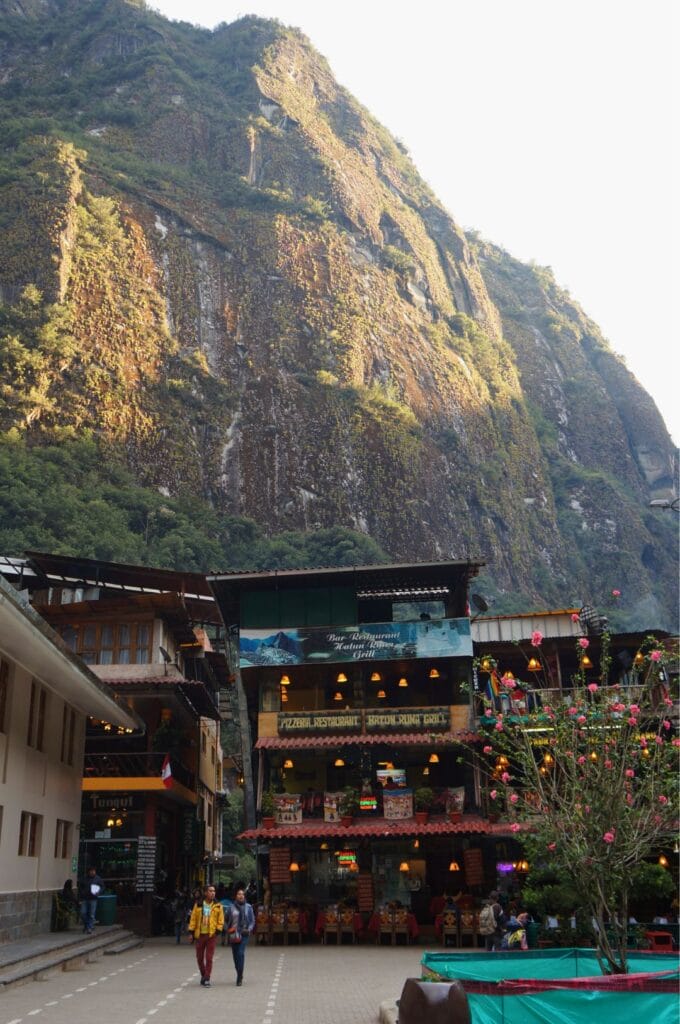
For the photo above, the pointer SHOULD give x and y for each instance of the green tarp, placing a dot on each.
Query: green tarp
(542, 1005)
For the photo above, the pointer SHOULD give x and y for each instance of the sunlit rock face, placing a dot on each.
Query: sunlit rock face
(240, 283)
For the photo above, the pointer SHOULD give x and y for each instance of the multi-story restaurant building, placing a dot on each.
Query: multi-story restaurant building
(150, 796)
(361, 677)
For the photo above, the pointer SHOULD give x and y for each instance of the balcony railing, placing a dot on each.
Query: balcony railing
(136, 766)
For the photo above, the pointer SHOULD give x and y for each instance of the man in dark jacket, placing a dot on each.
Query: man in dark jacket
(91, 889)
(495, 940)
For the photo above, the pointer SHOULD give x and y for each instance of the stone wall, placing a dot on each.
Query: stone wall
(23, 914)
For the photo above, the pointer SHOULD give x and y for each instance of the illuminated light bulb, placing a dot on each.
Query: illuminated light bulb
(403, 682)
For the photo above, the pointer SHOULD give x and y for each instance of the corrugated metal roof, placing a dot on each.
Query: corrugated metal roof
(378, 828)
(407, 739)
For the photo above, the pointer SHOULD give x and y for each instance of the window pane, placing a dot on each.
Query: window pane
(124, 656)
(106, 657)
(90, 637)
(70, 636)
(142, 655)
(143, 635)
(124, 635)
(107, 636)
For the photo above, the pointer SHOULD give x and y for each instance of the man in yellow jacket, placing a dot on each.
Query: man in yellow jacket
(207, 919)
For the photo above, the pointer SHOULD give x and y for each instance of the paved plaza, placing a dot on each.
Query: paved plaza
(158, 984)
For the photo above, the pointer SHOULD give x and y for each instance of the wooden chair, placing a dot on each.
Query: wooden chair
(400, 926)
(292, 925)
(385, 926)
(469, 925)
(346, 926)
(331, 926)
(450, 929)
(263, 927)
(278, 924)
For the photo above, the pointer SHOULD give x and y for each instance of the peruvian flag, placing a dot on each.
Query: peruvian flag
(166, 772)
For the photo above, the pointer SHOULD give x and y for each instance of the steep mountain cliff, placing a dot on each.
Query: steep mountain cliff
(222, 269)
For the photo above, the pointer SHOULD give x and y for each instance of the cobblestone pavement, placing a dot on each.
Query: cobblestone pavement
(158, 984)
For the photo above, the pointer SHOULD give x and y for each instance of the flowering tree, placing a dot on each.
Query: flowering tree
(591, 777)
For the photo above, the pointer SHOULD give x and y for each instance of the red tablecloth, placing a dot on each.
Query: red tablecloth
(373, 926)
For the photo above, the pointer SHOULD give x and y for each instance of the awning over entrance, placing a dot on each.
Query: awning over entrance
(377, 828)
(407, 739)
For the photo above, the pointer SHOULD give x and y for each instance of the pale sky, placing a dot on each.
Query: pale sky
(547, 125)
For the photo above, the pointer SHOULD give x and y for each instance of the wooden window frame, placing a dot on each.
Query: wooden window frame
(4, 693)
(62, 839)
(132, 647)
(30, 834)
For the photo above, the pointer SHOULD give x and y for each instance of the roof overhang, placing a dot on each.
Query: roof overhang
(30, 642)
(431, 740)
(376, 828)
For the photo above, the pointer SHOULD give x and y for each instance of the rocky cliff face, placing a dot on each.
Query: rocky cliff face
(217, 261)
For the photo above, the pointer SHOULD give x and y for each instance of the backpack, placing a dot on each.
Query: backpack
(487, 921)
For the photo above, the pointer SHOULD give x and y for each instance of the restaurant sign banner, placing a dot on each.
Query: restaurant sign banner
(372, 641)
(408, 718)
(318, 721)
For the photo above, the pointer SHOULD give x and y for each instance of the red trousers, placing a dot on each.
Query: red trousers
(205, 950)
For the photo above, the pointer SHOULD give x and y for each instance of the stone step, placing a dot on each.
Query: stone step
(67, 955)
(122, 947)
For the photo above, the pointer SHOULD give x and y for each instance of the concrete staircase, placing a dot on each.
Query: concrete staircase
(41, 956)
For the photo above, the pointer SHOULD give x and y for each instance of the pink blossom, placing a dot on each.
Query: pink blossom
(514, 827)
(676, 742)
(666, 724)
(573, 711)
(583, 642)
(643, 741)
(629, 799)
(618, 707)
(616, 593)
(508, 682)
(593, 687)
(663, 799)
(568, 753)
(536, 638)
(505, 777)
(581, 719)
(514, 798)
(668, 702)
(587, 808)
(609, 837)
(581, 759)
(493, 794)
(630, 774)
(635, 709)
(655, 656)
(658, 740)
(574, 616)
(632, 721)
(498, 727)
(608, 764)
(553, 846)
(488, 750)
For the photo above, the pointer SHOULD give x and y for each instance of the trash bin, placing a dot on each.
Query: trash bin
(532, 934)
(106, 909)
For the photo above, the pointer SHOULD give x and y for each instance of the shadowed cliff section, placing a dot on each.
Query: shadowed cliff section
(223, 269)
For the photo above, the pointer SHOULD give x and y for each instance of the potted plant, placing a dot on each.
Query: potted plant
(423, 798)
(348, 805)
(267, 809)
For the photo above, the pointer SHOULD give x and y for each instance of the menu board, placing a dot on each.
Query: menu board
(365, 896)
(288, 809)
(398, 803)
(279, 864)
(473, 867)
(330, 806)
(146, 863)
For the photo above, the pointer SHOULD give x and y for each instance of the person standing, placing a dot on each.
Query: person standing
(90, 891)
(207, 919)
(494, 940)
(241, 926)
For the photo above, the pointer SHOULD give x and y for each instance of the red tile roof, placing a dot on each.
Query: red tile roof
(377, 828)
(407, 739)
